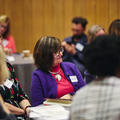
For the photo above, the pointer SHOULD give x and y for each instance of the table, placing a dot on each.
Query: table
(23, 69)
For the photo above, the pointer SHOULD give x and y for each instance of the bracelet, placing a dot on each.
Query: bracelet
(26, 108)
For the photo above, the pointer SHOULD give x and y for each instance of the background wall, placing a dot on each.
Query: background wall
(31, 19)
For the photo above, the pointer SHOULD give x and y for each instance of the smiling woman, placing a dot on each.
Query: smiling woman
(11, 91)
(53, 78)
(7, 39)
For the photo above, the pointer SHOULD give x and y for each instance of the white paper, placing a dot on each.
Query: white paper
(51, 112)
(10, 58)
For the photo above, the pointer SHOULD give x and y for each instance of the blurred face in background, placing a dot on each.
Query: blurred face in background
(77, 29)
(3, 27)
(100, 32)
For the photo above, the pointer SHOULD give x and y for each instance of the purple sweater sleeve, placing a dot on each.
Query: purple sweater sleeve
(36, 90)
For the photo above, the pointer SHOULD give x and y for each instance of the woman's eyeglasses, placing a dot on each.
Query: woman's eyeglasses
(58, 53)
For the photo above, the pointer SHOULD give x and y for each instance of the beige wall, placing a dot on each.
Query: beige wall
(31, 19)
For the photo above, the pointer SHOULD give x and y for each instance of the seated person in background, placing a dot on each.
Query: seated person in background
(7, 39)
(4, 112)
(93, 32)
(53, 78)
(75, 44)
(114, 28)
(99, 100)
(10, 89)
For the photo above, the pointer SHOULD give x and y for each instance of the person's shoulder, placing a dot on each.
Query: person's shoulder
(68, 38)
(68, 64)
(39, 72)
(36, 71)
(81, 93)
(84, 38)
(10, 37)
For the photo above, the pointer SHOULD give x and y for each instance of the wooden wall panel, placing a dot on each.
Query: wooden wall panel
(90, 13)
(58, 19)
(31, 19)
(68, 15)
(118, 6)
(27, 20)
(2, 8)
(37, 20)
(113, 10)
(17, 23)
(102, 16)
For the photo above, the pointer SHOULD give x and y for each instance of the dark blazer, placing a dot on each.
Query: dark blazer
(77, 59)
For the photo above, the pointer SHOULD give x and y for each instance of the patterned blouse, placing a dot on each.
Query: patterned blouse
(15, 94)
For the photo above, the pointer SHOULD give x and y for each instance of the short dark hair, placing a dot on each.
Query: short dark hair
(114, 28)
(43, 52)
(101, 56)
(80, 20)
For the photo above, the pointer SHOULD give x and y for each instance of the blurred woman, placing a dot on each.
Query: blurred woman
(114, 28)
(4, 74)
(53, 78)
(7, 39)
(99, 100)
(10, 89)
(93, 32)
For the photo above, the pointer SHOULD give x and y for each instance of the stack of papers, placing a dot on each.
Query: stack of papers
(50, 112)
(62, 102)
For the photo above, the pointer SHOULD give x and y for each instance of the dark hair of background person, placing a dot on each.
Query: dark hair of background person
(43, 52)
(101, 56)
(114, 28)
(80, 20)
(4, 18)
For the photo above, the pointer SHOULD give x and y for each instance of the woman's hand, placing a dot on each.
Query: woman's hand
(14, 110)
(67, 96)
(25, 105)
(27, 111)
(69, 48)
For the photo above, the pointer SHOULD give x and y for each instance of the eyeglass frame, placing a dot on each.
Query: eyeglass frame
(60, 51)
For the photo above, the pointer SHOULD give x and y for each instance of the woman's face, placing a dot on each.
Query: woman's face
(57, 57)
(3, 27)
(100, 32)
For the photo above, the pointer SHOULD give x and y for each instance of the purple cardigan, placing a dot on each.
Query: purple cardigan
(43, 84)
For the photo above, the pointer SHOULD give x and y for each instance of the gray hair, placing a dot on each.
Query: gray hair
(92, 32)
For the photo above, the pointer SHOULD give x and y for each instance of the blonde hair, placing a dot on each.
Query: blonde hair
(5, 18)
(4, 72)
(92, 32)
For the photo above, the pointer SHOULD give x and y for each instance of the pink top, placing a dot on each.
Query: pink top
(63, 86)
(9, 43)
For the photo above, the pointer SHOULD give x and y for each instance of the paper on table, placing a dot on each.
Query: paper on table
(52, 112)
(10, 58)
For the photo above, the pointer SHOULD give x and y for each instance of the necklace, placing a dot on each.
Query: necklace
(57, 76)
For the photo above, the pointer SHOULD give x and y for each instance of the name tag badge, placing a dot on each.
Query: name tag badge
(79, 46)
(5, 43)
(73, 79)
(8, 83)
